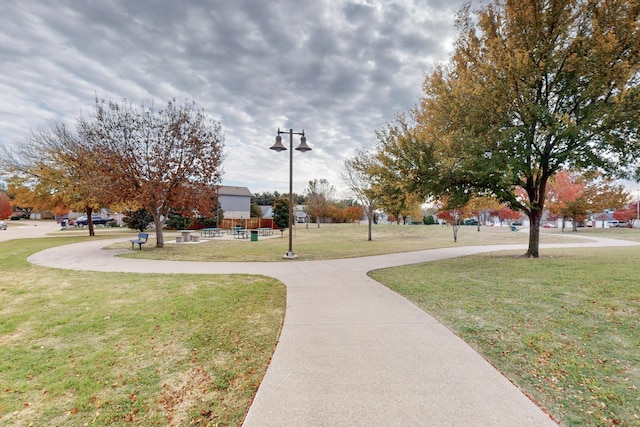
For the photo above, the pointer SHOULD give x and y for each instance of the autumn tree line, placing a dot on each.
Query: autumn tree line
(536, 93)
(120, 155)
(157, 164)
(533, 89)
(318, 203)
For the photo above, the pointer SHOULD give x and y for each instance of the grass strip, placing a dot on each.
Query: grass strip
(335, 241)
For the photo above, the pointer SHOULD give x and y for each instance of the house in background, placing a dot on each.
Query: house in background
(300, 214)
(267, 211)
(235, 201)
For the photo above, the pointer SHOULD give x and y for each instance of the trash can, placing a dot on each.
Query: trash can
(254, 235)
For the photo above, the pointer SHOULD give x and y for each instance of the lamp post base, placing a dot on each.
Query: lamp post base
(289, 255)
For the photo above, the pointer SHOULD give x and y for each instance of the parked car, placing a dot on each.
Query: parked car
(3, 225)
(616, 223)
(81, 221)
(470, 221)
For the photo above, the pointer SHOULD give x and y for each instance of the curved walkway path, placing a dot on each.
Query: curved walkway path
(351, 351)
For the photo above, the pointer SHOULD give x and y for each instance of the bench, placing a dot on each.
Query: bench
(141, 240)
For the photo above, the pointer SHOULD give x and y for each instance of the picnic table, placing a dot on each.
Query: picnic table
(187, 237)
(233, 230)
(211, 232)
(265, 231)
(241, 233)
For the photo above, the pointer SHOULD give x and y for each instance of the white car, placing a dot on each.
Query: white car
(3, 225)
(617, 224)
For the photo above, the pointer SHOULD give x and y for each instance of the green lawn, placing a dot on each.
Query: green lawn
(130, 349)
(332, 241)
(565, 327)
(82, 348)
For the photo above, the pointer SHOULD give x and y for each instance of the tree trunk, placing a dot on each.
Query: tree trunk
(455, 228)
(370, 222)
(89, 213)
(534, 234)
(159, 234)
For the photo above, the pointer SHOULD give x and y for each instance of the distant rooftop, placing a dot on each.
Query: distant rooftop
(228, 190)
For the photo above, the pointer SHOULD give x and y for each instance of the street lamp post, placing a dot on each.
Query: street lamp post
(303, 147)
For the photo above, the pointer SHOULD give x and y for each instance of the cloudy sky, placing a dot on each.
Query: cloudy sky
(339, 69)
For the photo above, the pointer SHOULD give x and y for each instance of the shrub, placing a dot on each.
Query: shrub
(138, 220)
(179, 222)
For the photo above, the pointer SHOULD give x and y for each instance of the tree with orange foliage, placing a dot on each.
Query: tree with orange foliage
(5, 206)
(157, 159)
(575, 196)
(505, 213)
(628, 214)
(565, 197)
(52, 169)
(336, 213)
(452, 217)
(23, 197)
(601, 193)
(353, 213)
(480, 204)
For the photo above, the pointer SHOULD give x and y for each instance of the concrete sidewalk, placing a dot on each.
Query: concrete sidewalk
(352, 352)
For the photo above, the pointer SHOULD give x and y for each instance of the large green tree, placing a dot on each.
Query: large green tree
(267, 198)
(532, 86)
(404, 171)
(281, 212)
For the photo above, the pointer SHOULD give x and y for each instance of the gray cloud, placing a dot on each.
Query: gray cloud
(337, 69)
